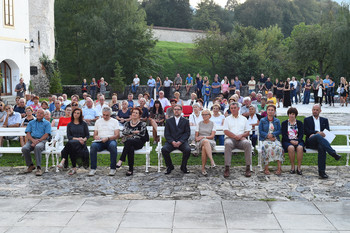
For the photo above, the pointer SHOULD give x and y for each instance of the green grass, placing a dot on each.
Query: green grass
(12, 160)
(176, 57)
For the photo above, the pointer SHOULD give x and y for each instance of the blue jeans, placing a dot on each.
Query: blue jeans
(306, 97)
(221, 139)
(294, 94)
(322, 146)
(134, 88)
(110, 145)
(206, 100)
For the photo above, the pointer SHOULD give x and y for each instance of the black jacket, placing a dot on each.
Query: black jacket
(180, 133)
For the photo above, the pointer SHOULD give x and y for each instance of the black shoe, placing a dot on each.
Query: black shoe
(184, 170)
(323, 175)
(300, 173)
(169, 169)
(336, 156)
(292, 171)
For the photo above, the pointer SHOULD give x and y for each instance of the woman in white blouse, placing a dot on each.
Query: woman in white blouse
(218, 119)
(196, 116)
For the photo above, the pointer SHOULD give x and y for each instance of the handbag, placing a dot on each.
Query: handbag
(320, 92)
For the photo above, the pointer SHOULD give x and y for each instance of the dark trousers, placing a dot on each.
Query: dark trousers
(168, 148)
(199, 93)
(130, 146)
(315, 96)
(294, 94)
(73, 148)
(323, 147)
(167, 92)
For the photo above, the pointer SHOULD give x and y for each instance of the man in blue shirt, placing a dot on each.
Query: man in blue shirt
(52, 105)
(89, 113)
(215, 86)
(238, 83)
(189, 82)
(151, 83)
(37, 131)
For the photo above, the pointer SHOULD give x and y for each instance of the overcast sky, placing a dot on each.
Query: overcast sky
(223, 2)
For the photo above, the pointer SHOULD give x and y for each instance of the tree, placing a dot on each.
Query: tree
(93, 35)
(168, 13)
(310, 44)
(210, 14)
(211, 47)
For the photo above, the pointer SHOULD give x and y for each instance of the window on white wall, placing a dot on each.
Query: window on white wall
(8, 13)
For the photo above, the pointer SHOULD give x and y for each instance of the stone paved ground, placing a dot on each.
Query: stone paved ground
(178, 186)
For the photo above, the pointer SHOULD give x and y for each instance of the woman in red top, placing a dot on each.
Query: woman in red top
(64, 121)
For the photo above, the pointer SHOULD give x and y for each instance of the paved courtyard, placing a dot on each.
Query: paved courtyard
(180, 216)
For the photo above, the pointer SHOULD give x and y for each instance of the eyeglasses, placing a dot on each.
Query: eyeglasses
(205, 114)
(177, 109)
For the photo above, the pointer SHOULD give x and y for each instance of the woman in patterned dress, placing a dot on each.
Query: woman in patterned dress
(292, 139)
(269, 131)
(135, 136)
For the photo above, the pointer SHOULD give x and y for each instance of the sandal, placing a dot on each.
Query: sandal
(267, 172)
(278, 172)
(60, 165)
(299, 172)
(118, 166)
(292, 172)
(204, 173)
(72, 172)
(129, 173)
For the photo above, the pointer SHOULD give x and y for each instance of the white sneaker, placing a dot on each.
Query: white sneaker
(111, 172)
(92, 172)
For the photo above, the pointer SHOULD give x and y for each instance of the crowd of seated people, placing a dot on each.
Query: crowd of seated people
(240, 118)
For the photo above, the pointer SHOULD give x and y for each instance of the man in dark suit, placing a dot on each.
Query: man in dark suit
(313, 129)
(177, 131)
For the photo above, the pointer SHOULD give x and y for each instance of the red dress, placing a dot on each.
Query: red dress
(64, 121)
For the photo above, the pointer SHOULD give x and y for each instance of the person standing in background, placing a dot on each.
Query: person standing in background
(151, 83)
(199, 83)
(103, 86)
(177, 82)
(20, 88)
(167, 84)
(135, 84)
(315, 89)
(84, 86)
(251, 85)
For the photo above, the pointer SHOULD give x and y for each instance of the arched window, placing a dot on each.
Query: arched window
(6, 86)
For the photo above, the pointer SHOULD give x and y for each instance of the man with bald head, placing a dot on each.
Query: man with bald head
(313, 129)
(38, 130)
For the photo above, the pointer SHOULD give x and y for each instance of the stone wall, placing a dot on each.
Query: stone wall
(42, 32)
(177, 34)
(76, 89)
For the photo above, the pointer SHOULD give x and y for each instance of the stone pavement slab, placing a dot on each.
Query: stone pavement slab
(104, 215)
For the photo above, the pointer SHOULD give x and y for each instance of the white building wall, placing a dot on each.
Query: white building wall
(13, 40)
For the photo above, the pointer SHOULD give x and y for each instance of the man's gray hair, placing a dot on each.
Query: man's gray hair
(23, 100)
(246, 98)
(195, 105)
(107, 109)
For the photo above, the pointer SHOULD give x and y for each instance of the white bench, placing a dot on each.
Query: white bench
(217, 149)
(55, 149)
(340, 149)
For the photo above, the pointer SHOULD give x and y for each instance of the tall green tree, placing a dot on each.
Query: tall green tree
(168, 13)
(93, 35)
(210, 14)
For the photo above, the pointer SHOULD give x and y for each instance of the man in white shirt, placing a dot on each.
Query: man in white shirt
(106, 132)
(166, 84)
(164, 101)
(251, 85)
(65, 100)
(100, 105)
(236, 129)
(135, 84)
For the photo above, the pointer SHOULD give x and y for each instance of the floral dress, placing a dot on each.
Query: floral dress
(272, 150)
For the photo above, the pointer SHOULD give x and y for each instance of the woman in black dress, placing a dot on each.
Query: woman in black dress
(135, 136)
(286, 94)
(77, 134)
(279, 92)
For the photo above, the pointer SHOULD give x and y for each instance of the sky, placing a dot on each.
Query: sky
(223, 2)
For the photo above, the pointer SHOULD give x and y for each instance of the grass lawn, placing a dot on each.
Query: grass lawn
(12, 160)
